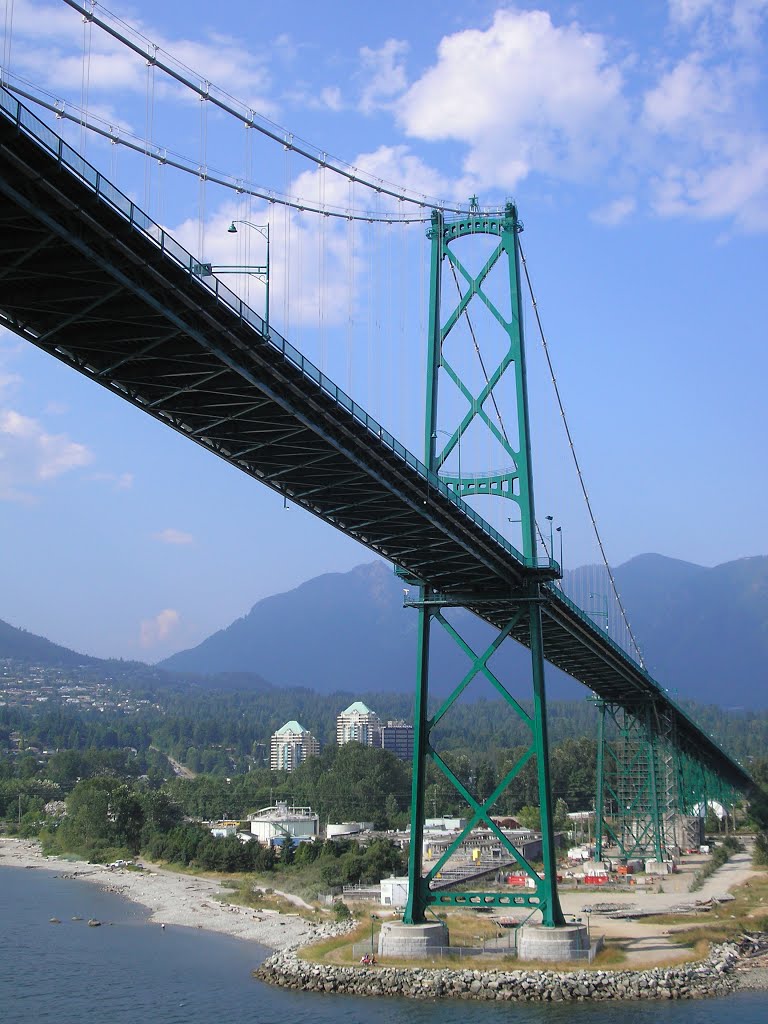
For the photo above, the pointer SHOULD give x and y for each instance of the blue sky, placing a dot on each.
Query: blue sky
(633, 138)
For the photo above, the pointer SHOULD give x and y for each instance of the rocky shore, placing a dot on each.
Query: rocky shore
(173, 899)
(714, 976)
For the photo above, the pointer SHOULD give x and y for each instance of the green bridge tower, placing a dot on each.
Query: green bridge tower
(502, 359)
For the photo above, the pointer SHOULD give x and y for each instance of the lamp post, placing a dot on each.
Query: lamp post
(374, 918)
(262, 271)
(258, 270)
(604, 612)
(560, 531)
(551, 538)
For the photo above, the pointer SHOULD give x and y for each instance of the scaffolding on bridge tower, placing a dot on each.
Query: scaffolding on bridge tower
(650, 789)
(523, 602)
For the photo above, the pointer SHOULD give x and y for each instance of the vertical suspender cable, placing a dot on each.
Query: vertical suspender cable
(287, 247)
(7, 40)
(203, 172)
(576, 462)
(85, 82)
(350, 290)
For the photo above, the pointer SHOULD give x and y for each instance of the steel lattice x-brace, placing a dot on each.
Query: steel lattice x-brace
(514, 483)
(646, 782)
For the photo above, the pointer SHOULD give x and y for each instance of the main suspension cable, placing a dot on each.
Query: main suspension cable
(119, 137)
(576, 463)
(185, 76)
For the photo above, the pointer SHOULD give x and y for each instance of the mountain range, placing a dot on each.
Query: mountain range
(704, 633)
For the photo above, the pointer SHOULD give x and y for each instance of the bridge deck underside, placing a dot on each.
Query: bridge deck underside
(80, 280)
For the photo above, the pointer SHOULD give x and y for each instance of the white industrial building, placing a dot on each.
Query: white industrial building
(283, 822)
(394, 891)
(347, 828)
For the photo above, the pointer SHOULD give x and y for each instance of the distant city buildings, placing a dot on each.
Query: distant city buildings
(397, 738)
(290, 746)
(358, 724)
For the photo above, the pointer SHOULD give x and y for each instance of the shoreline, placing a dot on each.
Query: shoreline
(186, 901)
(189, 901)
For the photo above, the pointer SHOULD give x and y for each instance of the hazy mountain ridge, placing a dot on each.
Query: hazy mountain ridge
(704, 633)
(20, 645)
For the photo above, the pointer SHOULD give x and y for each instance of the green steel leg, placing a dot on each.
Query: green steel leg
(551, 914)
(417, 886)
(600, 781)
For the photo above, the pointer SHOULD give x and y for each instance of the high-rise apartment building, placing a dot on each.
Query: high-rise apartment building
(290, 746)
(358, 724)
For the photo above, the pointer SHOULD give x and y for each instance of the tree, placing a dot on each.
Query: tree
(530, 817)
(562, 820)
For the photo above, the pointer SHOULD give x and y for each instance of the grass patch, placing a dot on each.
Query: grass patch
(337, 950)
(241, 892)
(747, 911)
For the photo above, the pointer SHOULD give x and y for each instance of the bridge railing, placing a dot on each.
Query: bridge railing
(586, 618)
(70, 160)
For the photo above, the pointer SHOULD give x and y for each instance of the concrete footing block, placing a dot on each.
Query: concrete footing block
(568, 942)
(411, 940)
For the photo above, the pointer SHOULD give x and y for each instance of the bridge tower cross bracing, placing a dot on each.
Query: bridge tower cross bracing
(522, 602)
(635, 796)
(649, 786)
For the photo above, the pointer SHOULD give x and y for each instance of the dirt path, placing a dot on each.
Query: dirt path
(647, 942)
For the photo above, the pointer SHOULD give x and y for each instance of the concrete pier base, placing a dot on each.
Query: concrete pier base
(411, 940)
(568, 942)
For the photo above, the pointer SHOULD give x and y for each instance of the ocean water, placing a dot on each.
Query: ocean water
(130, 971)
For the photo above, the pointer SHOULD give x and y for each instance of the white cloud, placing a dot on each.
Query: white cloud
(29, 455)
(8, 382)
(734, 186)
(153, 631)
(384, 71)
(689, 96)
(718, 24)
(685, 12)
(524, 95)
(708, 144)
(173, 536)
(331, 98)
(48, 46)
(329, 259)
(119, 481)
(55, 408)
(615, 212)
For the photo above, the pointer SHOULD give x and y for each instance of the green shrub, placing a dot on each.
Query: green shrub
(760, 854)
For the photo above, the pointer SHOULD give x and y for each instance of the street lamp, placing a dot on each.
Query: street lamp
(261, 272)
(257, 270)
(374, 918)
(604, 612)
(560, 531)
(551, 538)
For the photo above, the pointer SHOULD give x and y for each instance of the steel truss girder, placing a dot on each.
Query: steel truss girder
(83, 239)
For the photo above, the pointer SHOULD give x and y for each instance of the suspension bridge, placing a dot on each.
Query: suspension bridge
(90, 278)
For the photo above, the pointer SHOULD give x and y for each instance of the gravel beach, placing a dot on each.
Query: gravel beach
(173, 899)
